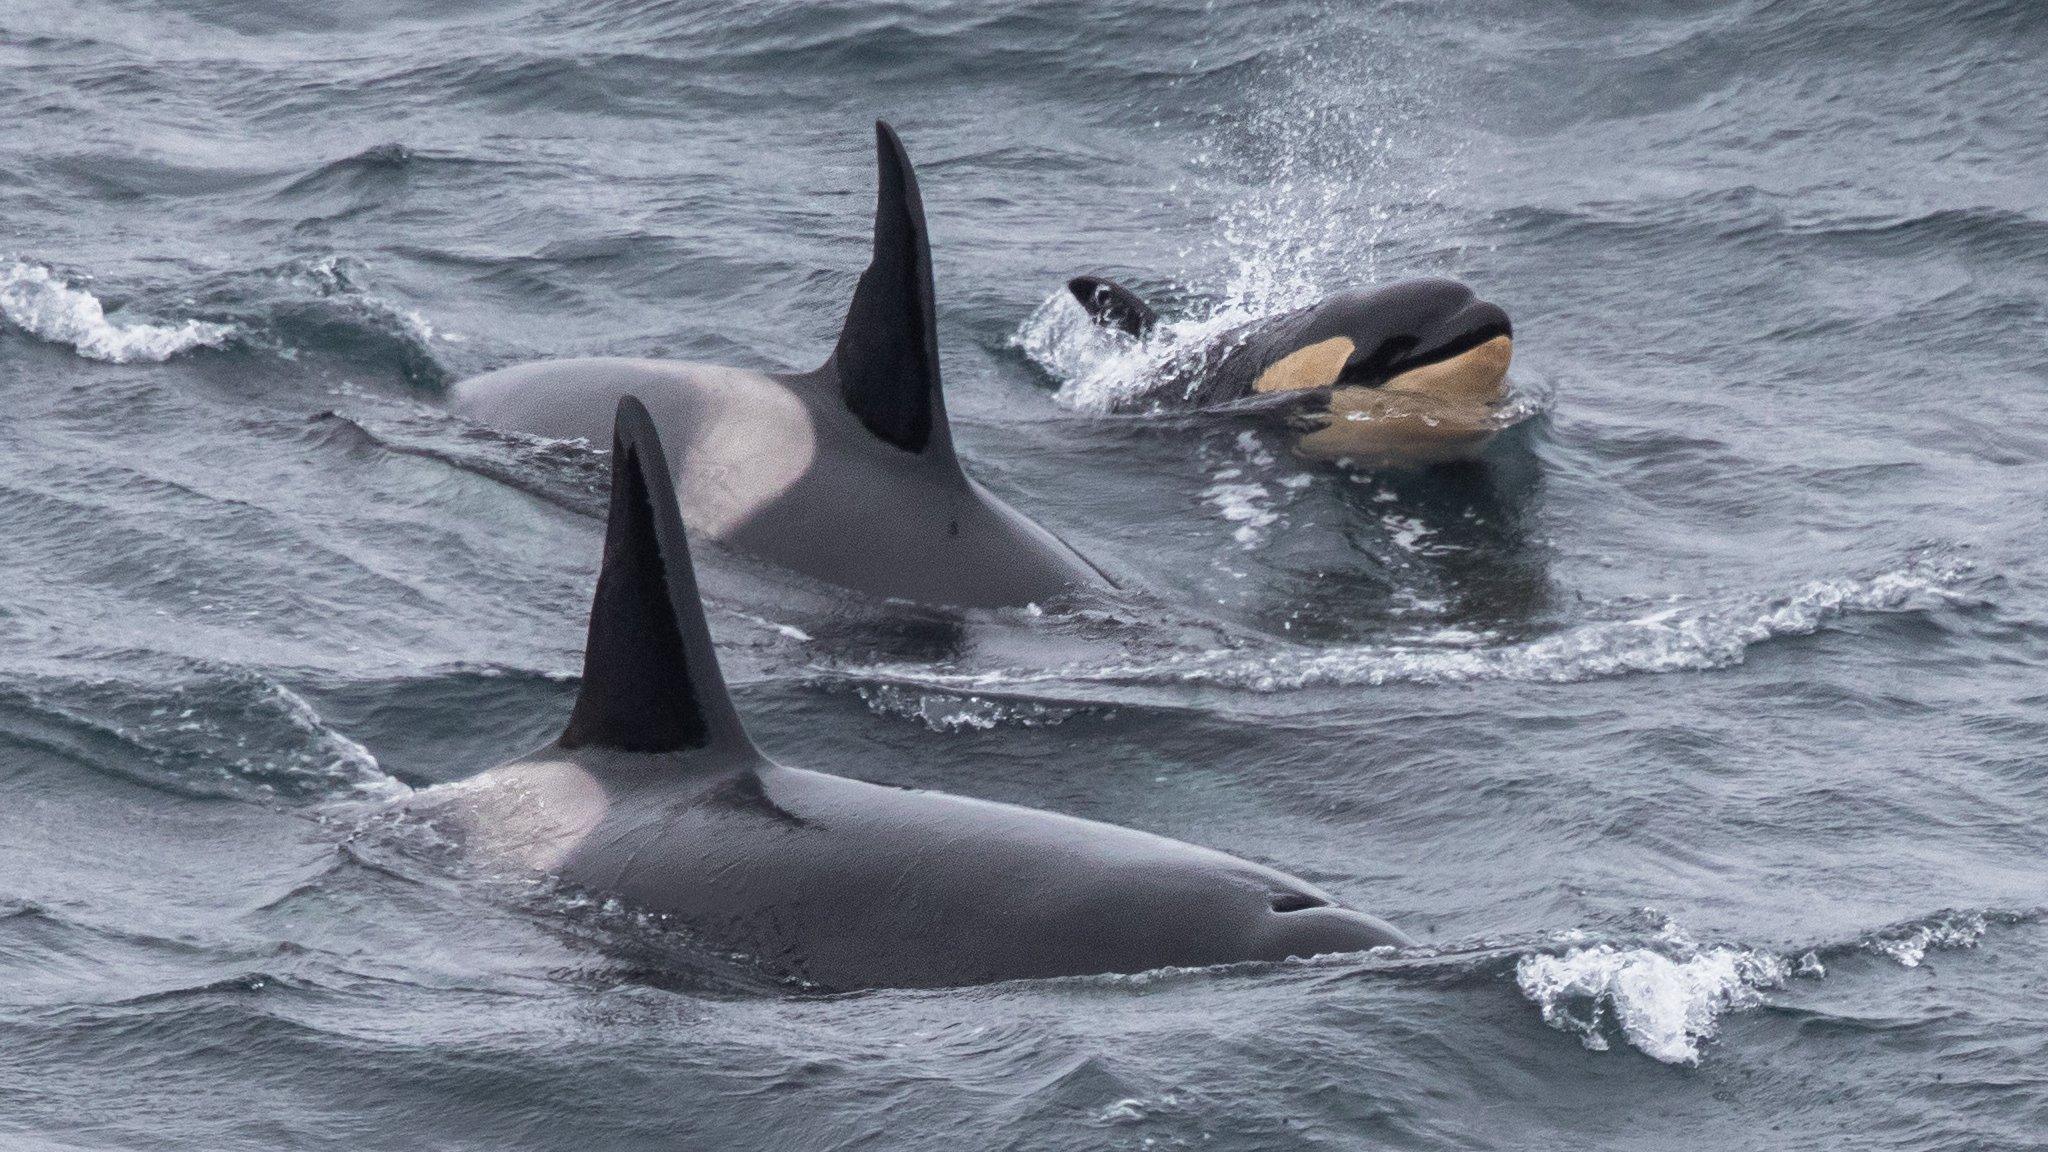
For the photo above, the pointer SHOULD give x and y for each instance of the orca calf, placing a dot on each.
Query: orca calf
(847, 473)
(1413, 372)
(655, 795)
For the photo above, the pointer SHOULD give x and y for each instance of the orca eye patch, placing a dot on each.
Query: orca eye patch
(1371, 371)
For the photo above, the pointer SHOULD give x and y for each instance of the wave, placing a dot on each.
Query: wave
(372, 166)
(38, 301)
(213, 732)
(315, 305)
(331, 762)
(1749, 215)
(327, 309)
(1658, 991)
(568, 474)
(1665, 1000)
(1679, 638)
(1666, 996)
(1908, 943)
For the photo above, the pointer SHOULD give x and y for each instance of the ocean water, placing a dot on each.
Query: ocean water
(1700, 730)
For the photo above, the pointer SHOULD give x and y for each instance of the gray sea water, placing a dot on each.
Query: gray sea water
(1699, 729)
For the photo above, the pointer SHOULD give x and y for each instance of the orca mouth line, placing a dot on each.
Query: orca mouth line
(1390, 363)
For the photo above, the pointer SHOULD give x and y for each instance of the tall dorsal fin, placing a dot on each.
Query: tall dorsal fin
(650, 676)
(1112, 305)
(887, 359)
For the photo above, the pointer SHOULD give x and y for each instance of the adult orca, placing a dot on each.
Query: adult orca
(1415, 371)
(655, 795)
(846, 473)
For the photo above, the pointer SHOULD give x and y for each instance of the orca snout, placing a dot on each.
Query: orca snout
(1478, 322)
(1303, 924)
(1426, 321)
(1438, 339)
(1397, 329)
(1463, 362)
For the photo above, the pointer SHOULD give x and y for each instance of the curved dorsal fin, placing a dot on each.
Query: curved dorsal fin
(1112, 305)
(887, 359)
(650, 675)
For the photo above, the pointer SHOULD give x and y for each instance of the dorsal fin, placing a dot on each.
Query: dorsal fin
(650, 676)
(887, 359)
(1112, 305)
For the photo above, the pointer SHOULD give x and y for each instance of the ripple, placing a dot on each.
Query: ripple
(1680, 638)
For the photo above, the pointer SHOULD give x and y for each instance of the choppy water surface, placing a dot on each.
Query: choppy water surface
(1699, 730)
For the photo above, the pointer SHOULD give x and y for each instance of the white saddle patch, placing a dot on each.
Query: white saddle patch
(751, 442)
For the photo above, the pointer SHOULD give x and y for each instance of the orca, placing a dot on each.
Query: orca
(655, 795)
(1413, 372)
(847, 473)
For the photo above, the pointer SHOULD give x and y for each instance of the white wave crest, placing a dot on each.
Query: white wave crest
(1909, 944)
(332, 758)
(1674, 639)
(1666, 1006)
(39, 302)
(341, 278)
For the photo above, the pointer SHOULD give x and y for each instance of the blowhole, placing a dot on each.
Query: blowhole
(1296, 902)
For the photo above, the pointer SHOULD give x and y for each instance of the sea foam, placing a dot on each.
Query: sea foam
(1666, 996)
(1909, 943)
(42, 304)
(1665, 1001)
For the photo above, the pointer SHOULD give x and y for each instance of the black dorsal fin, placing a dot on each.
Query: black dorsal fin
(887, 360)
(1112, 305)
(650, 675)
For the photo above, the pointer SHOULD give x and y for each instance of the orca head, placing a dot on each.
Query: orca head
(1432, 337)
